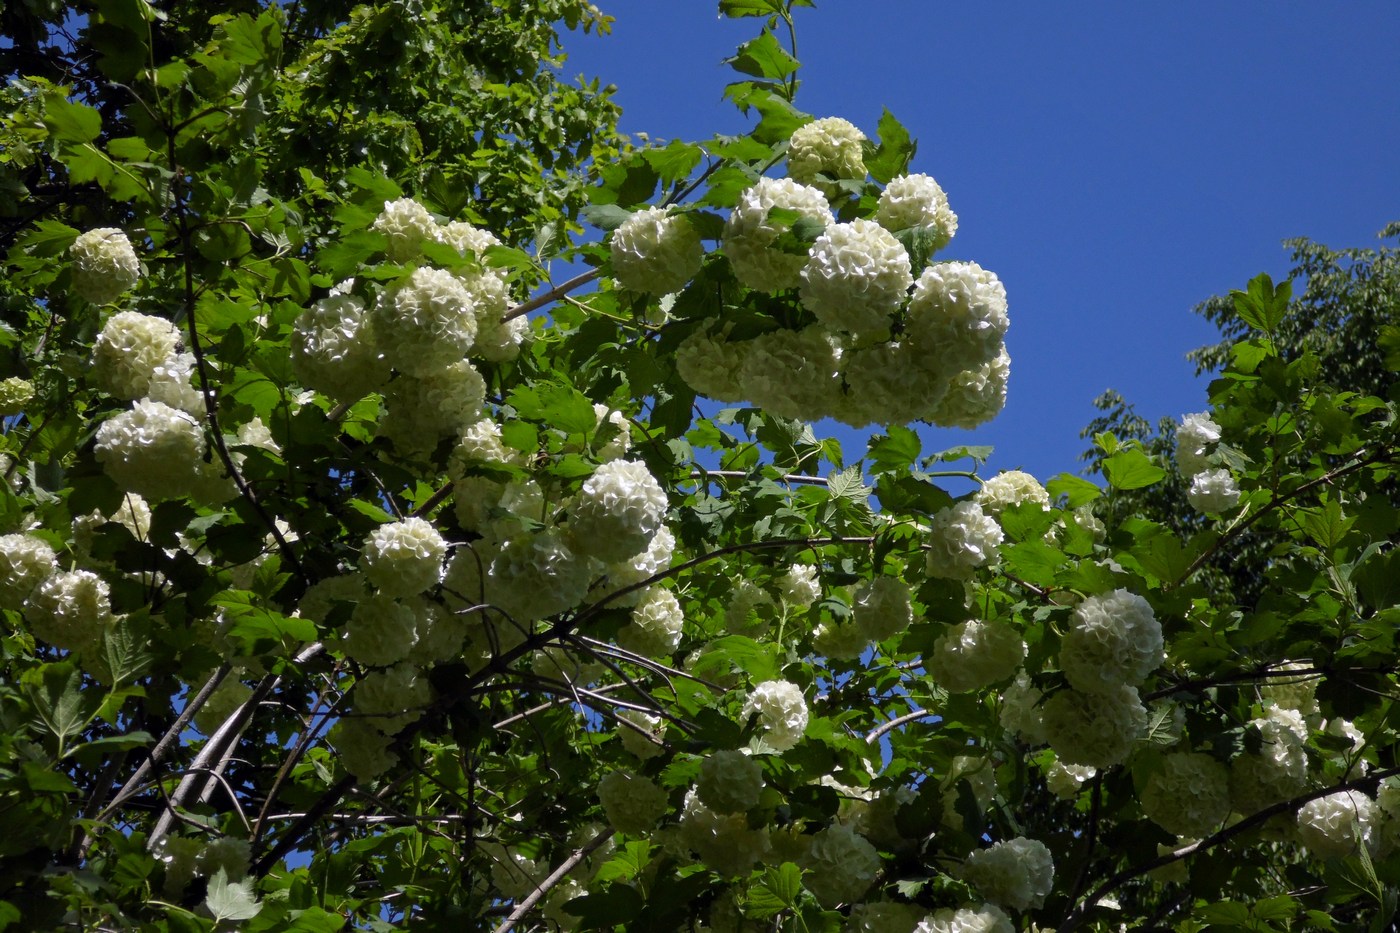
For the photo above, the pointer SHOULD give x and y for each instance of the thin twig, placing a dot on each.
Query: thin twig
(895, 723)
(556, 876)
(554, 294)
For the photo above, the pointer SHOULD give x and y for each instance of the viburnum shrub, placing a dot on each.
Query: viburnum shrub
(357, 574)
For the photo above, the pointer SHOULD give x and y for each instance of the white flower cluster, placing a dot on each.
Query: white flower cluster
(643, 566)
(917, 201)
(883, 917)
(645, 743)
(882, 608)
(791, 372)
(749, 234)
(25, 562)
(407, 225)
(127, 351)
(656, 251)
(392, 698)
(1194, 437)
(363, 749)
(404, 558)
(534, 575)
(15, 393)
(975, 654)
(724, 842)
(730, 782)
(1096, 729)
(632, 803)
(1190, 796)
(799, 587)
(425, 322)
(831, 147)
(70, 609)
(961, 538)
(1337, 825)
(957, 315)
(1010, 488)
(975, 395)
(985, 919)
(657, 621)
(711, 365)
(782, 713)
(158, 452)
(1016, 873)
(421, 411)
(1297, 692)
(857, 275)
(1213, 491)
(381, 631)
(103, 265)
(842, 865)
(1065, 780)
(1020, 710)
(334, 349)
(1279, 769)
(1115, 639)
(618, 511)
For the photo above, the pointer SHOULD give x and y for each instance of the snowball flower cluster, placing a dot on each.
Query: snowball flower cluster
(958, 315)
(730, 782)
(425, 322)
(791, 373)
(420, 411)
(392, 698)
(407, 225)
(618, 510)
(1115, 639)
(127, 351)
(975, 396)
(381, 631)
(711, 365)
(1065, 780)
(104, 265)
(656, 251)
(70, 609)
(782, 712)
(855, 278)
(1194, 438)
(985, 919)
(748, 233)
(480, 443)
(830, 146)
(842, 865)
(657, 621)
(882, 608)
(25, 560)
(961, 538)
(632, 803)
(1190, 796)
(1279, 769)
(975, 654)
(639, 567)
(1017, 873)
(1095, 729)
(645, 743)
(535, 575)
(1336, 825)
(334, 349)
(363, 749)
(1020, 710)
(1213, 491)
(404, 558)
(911, 201)
(799, 587)
(724, 842)
(154, 451)
(15, 393)
(1010, 488)
(1296, 693)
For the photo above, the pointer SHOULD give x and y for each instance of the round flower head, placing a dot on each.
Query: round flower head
(404, 558)
(1017, 873)
(842, 865)
(466, 239)
(171, 384)
(831, 147)
(104, 265)
(15, 393)
(70, 610)
(730, 782)
(1115, 639)
(1337, 825)
(917, 201)
(974, 655)
(748, 234)
(799, 587)
(381, 632)
(425, 322)
(792, 373)
(437, 633)
(961, 538)
(406, 224)
(657, 621)
(1279, 769)
(724, 842)
(985, 919)
(889, 383)
(1096, 729)
(334, 349)
(836, 640)
(958, 314)
(656, 558)
(1294, 692)
(882, 608)
(656, 251)
(883, 917)
(974, 396)
(480, 443)
(710, 365)
(421, 411)
(856, 277)
(25, 561)
(1213, 491)
(782, 713)
(362, 749)
(1020, 710)
(645, 743)
(127, 351)
(535, 575)
(618, 510)
(392, 698)
(1008, 488)
(1065, 780)
(632, 804)
(1190, 796)
(1194, 437)
(152, 450)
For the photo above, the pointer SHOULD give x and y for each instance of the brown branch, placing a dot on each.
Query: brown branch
(556, 876)
(895, 723)
(554, 294)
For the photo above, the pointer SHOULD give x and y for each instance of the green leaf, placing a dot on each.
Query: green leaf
(113, 743)
(1326, 525)
(606, 217)
(558, 406)
(57, 693)
(1034, 562)
(250, 41)
(71, 122)
(675, 161)
(738, 8)
(508, 257)
(370, 510)
(1132, 469)
(763, 57)
(847, 484)
(892, 157)
(127, 651)
(1076, 489)
(894, 452)
(231, 900)
(920, 243)
(47, 238)
(617, 905)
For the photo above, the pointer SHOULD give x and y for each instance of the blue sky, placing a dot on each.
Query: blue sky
(1113, 163)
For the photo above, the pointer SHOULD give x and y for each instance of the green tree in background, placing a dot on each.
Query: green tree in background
(356, 574)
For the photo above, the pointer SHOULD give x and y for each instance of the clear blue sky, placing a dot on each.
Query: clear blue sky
(1113, 163)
